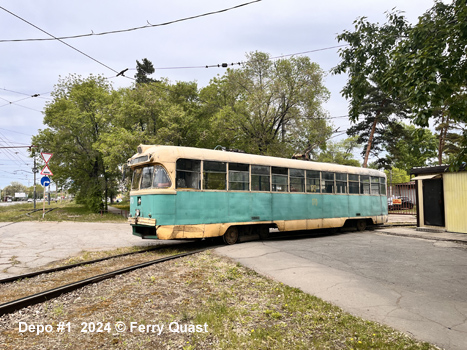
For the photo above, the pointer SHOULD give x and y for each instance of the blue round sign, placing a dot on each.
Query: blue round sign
(45, 181)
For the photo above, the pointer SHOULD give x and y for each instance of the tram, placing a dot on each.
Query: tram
(191, 193)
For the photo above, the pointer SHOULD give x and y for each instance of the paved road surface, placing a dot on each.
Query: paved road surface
(414, 285)
(31, 244)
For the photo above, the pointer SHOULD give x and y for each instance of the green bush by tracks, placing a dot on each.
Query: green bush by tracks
(62, 211)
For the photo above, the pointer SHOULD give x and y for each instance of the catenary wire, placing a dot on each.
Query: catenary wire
(60, 40)
(148, 25)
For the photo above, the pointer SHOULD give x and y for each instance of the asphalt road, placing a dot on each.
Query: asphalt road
(418, 286)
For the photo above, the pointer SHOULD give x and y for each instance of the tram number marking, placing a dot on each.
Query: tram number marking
(314, 201)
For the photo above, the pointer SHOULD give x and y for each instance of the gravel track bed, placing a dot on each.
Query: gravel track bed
(29, 286)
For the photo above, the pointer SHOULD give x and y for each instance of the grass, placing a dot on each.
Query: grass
(62, 211)
(125, 205)
(232, 306)
(248, 311)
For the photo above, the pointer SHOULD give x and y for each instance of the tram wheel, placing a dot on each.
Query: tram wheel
(361, 225)
(231, 236)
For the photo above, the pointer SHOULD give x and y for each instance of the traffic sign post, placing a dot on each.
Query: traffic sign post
(46, 156)
(45, 181)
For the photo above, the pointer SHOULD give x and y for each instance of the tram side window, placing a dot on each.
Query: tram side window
(364, 184)
(161, 178)
(382, 184)
(260, 176)
(146, 178)
(214, 175)
(239, 177)
(341, 183)
(280, 179)
(297, 180)
(328, 179)
(136, 178)
(188, 173)
(354, 187)
(313, 184)
(374, 185)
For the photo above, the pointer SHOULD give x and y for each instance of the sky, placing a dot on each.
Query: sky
(29, 69)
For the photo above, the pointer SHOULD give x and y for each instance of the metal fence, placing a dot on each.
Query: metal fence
(402, 198)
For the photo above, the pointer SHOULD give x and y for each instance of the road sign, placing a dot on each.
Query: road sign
(46, 157)
(45, 181)
(46, 171)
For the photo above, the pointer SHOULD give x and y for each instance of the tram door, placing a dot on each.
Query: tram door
(433, 202)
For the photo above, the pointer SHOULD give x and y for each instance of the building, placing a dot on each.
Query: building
(441, 198)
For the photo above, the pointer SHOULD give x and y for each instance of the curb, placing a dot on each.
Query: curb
(421, 236)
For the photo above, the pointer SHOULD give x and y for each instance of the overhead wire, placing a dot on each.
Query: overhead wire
(148, 25)
(58, 39)
(17, 132)
(37, 95)
(12, 155)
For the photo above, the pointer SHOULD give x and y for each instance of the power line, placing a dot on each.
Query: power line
(72, 47)
(16, 104)
(15, 132)
(36, 95)
(9, 153)
(225, 65)
(148, 25)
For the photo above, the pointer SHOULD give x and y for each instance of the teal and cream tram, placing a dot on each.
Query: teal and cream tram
(188, 193)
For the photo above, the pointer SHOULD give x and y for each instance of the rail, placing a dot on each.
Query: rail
(12, 306)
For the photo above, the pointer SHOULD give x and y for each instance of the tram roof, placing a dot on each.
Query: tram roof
(169, 154)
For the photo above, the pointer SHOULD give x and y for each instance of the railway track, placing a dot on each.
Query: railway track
(87, 262)
(18, 218)
(14, 305)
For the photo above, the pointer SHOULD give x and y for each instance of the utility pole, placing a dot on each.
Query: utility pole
(35, 171)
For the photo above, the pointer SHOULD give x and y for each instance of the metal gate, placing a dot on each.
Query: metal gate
(402, 199)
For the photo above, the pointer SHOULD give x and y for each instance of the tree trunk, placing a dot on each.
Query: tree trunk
(442, 137)
(370, 140)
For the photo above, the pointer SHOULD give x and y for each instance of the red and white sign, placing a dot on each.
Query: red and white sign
(46, 171)
(46, 156)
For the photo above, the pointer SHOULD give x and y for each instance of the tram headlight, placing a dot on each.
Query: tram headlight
(139, 200)
(137, 212)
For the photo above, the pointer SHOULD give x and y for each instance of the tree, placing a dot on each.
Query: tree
(14, 187)
(39, 191)
(379, 128)
(340, 152)
(415, 147)
(397, 176)
(365, 61)
(76, 119)
(144, 69)
(151, 113)
(267, 107)
(429, 69)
